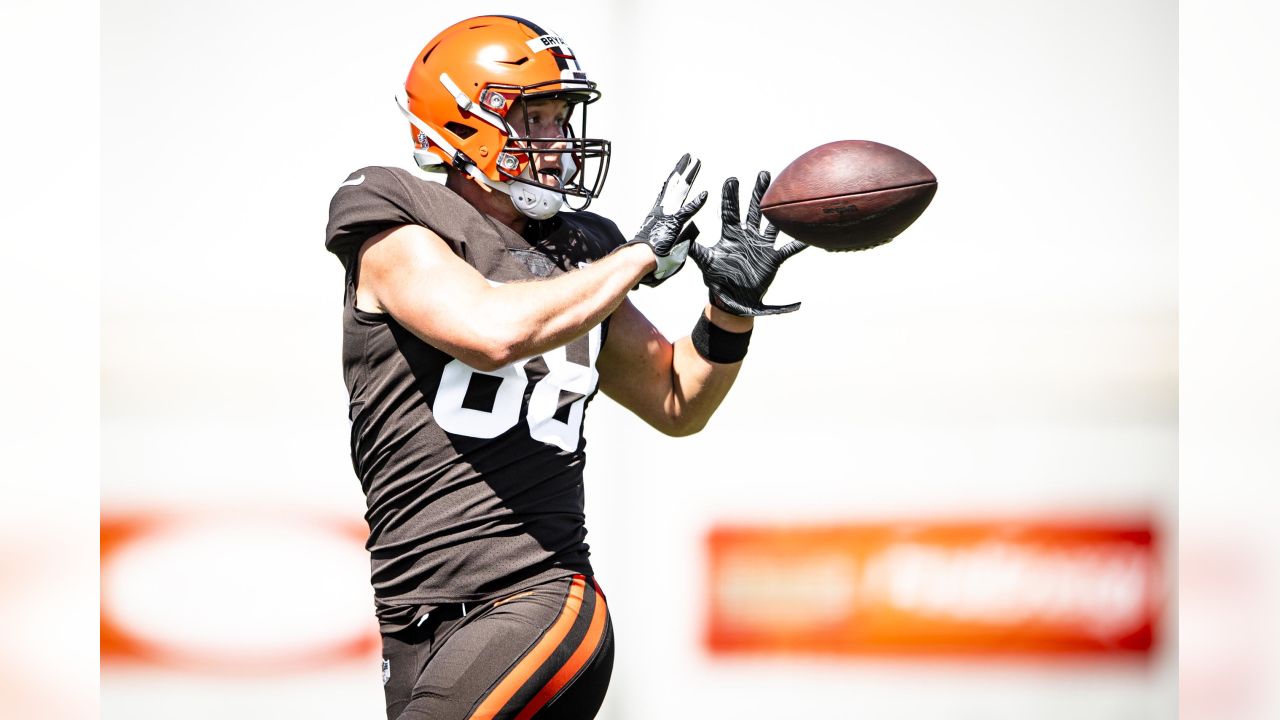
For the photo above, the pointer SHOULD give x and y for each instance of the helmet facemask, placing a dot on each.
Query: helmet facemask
(577, 164)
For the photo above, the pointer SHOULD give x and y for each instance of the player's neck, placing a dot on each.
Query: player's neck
(490, 202)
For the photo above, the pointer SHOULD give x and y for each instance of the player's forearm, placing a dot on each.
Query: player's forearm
(698, 386)
(527, 319)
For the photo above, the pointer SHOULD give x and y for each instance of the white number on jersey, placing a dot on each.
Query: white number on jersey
(550, 420)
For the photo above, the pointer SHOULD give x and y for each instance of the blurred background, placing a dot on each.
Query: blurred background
(973, 430)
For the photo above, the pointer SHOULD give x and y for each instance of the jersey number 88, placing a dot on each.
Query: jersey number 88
(556, 404)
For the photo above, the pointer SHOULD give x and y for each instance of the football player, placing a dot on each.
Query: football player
(480, 319)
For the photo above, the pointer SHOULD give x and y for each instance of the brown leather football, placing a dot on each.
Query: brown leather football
(849, 195)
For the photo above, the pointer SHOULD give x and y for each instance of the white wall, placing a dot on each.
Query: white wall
(1013, 353)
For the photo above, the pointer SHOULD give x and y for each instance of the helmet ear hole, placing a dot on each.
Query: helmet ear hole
(462, 131)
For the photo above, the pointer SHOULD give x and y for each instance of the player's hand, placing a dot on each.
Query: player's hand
(666, 229)
(739, 269)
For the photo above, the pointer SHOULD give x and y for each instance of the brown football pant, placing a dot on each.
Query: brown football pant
(545, 652)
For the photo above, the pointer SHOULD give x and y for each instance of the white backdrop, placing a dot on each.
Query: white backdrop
(1014, 352)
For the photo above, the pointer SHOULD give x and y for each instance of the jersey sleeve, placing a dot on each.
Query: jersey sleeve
(371, 200)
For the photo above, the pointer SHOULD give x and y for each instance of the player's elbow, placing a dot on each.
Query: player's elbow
(492, 353)
(493, 342)
(683, 426)
(483, 363)
(505, 344)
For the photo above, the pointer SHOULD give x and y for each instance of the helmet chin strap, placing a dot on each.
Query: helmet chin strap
(532, 201)
(535, 202)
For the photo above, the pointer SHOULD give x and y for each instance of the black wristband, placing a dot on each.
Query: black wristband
(717, 345)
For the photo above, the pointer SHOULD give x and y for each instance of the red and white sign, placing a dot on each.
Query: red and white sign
(934, 588)
(234, 592)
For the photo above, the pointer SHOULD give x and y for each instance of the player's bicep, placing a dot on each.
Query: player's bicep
(635, 366)
(416, 278)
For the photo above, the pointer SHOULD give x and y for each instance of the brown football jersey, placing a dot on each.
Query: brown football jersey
(472, 480)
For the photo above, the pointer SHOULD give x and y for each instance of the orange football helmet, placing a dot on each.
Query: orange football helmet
(463, 85)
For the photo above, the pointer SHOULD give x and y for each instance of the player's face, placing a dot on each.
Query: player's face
(542, 118)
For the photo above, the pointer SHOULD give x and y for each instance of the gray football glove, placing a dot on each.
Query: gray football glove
(740, 267)
(664, 229)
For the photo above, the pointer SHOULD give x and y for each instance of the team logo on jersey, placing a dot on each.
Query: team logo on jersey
(540, 265)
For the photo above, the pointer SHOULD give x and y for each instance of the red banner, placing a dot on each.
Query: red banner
(125, 640)
(934, 588)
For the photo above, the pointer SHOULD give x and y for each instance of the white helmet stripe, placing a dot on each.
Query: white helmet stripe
(568, 62)
(543, 42)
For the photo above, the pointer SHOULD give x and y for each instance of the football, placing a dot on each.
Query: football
(849, 195)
